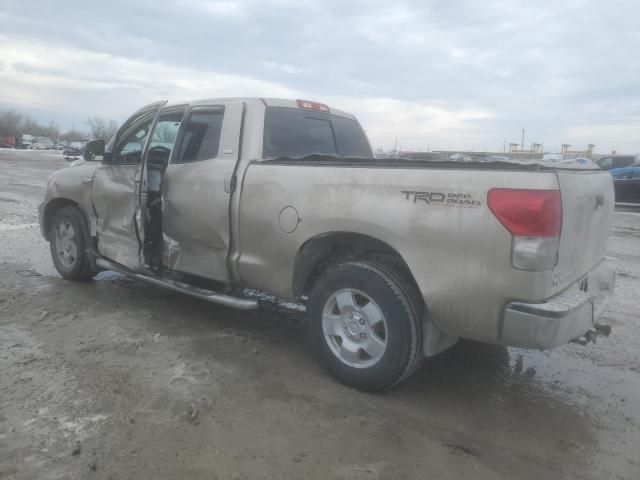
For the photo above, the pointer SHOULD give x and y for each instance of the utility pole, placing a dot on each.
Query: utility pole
(522, 144)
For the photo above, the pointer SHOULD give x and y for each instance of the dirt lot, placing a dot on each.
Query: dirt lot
(116, 379)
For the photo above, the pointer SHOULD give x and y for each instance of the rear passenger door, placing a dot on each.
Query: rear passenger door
(197, 187)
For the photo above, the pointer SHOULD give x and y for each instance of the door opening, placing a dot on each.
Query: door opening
(158, 156)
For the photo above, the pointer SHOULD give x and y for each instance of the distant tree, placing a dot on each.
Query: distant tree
(101, 129)
(15, 124)
(11, 123)
(73, 135)
(32, 127)
(52, 131)
(112, 128)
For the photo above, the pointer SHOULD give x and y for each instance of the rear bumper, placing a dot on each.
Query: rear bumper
(564, 316)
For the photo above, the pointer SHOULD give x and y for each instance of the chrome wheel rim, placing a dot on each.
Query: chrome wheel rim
(66, 245)
(354, 328)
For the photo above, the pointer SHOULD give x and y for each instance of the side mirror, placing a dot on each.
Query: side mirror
(93, 149)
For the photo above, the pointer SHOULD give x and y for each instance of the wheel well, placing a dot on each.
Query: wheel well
(52, 207)
(320, 252)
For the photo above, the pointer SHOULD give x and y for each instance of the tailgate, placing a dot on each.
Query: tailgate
(587, 213)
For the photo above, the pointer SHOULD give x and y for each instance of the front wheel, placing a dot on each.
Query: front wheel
(69, 239)
(365, 323)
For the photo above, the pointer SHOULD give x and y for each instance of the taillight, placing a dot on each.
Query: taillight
(531, 213)
(534, 219)
(318, 107)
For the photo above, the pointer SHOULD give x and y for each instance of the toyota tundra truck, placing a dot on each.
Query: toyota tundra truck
(392, 259)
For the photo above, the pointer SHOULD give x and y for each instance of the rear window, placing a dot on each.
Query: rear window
(294, 132)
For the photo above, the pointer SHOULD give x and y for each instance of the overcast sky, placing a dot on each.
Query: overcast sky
(435, 74)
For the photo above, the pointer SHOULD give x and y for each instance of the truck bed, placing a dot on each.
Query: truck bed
(434, 214)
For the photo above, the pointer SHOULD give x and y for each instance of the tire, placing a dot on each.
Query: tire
(351, 349)
(69, 240)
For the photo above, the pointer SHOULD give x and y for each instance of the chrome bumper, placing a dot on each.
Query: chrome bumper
(564, 316)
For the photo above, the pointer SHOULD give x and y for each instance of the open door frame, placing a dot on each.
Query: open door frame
(118, 195)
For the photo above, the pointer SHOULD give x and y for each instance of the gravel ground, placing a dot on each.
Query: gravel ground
(114, 379)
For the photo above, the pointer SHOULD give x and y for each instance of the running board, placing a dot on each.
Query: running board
(201, 293)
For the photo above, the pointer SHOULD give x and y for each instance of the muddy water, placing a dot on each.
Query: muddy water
(150, 384)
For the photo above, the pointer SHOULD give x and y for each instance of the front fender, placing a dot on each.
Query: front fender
(70, 185)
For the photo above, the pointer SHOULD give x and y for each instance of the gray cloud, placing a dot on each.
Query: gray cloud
(434, 73)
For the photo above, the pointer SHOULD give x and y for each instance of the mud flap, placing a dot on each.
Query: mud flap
(435, 340)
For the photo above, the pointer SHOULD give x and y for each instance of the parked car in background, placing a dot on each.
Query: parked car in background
(27, 140)
(616, 161)
(626, 182)
(553, 157)
(70, 152)
(46, 142)
(579, 161)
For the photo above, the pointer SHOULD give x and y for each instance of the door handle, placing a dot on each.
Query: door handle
(86, 179)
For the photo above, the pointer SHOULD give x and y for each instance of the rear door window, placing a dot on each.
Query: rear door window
(201, 136)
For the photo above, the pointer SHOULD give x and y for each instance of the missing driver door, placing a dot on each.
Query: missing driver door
(116, 191)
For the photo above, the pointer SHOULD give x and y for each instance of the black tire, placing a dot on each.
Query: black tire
(402, 308)
(76, 265)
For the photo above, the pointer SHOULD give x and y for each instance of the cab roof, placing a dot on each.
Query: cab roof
(269, 102)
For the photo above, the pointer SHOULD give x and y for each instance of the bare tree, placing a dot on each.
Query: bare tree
(11, 123)
(15, 124)
(101, 129)
(52, 130)
(73, 135)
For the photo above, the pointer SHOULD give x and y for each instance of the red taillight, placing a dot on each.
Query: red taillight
(527, 213)
(318, 107)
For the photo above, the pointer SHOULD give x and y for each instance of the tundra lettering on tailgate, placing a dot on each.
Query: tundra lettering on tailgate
(442, 199)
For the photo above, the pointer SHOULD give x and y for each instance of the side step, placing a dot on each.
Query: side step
(201, 293)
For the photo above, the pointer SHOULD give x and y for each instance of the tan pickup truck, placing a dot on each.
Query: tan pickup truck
(393, 259)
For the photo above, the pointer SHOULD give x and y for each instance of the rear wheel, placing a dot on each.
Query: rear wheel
(69, 237)
(365, 323)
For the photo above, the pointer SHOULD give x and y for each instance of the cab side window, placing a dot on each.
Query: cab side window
(201, 137)
(129, 150)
